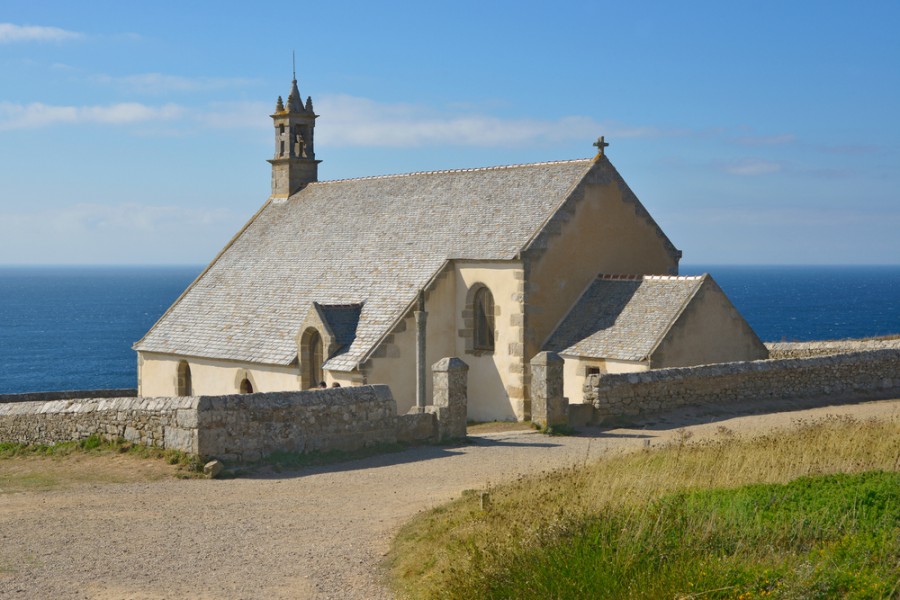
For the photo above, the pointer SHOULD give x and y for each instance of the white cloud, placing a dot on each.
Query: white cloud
(10, 33)
(160, 83)
(752, 167)
(767, 140)
(119, 218)
(355, 121)
(236, 115)
(351, 121)
(127, 233)
(36, 114)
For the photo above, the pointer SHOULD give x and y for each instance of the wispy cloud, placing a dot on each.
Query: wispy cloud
(133, 217)
(117, 233)
(351, 121)
(752, 167)
(36, 114)
(355, 121)
(237, 115)
(766, 140)
(10, 33)
(161, 83)
(789, 216)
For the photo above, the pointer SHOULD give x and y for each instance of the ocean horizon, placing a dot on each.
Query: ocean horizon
(72, 327)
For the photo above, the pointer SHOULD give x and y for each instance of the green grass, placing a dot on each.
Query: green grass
(834, 536)
(812, 511)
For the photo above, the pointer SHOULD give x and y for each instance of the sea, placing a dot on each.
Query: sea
(72, 328)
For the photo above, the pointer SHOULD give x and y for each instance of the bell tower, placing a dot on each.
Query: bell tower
(294, 164)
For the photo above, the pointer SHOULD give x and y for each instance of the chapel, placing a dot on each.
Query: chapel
(358, 281)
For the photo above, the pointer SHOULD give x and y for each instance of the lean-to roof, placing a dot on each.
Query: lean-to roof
(623, 317)
(372, 241)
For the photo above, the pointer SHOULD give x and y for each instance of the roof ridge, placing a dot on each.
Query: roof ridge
(616, 277)
(446, 171)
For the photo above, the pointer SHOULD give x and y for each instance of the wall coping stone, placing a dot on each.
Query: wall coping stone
(67, 395)
(450, 364)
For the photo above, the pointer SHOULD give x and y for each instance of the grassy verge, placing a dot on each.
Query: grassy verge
(809, 512)
(95, 445)
(480, 427)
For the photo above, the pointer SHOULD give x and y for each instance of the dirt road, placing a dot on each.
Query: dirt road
(318, 532)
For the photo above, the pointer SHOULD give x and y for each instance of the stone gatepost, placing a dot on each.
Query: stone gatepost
(450, 401)
(548, 406)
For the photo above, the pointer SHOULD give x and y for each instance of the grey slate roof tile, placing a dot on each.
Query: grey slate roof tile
(622, 317)
(373, 241)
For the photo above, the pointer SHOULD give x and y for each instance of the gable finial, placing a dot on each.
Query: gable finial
(294, 63)
(601, 145)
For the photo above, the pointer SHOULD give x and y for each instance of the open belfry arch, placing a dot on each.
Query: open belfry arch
(370, 280)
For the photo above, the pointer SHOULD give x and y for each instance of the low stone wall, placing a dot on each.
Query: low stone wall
(825, 348)
(67, 395)
(246, 427)
(852, 376)
(163, 422)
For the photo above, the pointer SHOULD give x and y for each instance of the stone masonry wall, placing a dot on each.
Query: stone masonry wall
(824, 348)
(67, 395)
(247, 427)
(236, 428)
(163, 422)
(850, 376)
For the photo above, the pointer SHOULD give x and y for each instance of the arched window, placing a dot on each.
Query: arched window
(246, 386)
(183, 379)
(314, 364)
(483, 307)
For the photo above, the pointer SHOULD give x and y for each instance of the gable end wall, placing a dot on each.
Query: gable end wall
(709, 330)
(600, 228)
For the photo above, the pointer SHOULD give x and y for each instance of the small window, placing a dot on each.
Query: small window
(593, 371)
(183, 379)
(246, 386)
(314, 365)
(484, 320)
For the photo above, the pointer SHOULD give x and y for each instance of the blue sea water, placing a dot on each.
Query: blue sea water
(73, 327)
(804, 303)
(65, 328)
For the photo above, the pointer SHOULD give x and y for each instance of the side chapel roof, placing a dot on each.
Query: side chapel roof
(623, 317)
(373, 241)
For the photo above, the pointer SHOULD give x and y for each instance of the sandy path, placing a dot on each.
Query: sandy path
(314, 533)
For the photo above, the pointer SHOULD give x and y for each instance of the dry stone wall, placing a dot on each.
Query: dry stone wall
(244, 427)
(247, 427)
(825, 348)
(68, 395)
(850, 376)
(162, 422)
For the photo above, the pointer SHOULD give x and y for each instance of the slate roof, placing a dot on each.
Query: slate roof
(623, 317)
(373, 241)
(343, 320)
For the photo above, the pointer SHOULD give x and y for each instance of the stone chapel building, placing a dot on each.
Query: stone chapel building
(325, 281)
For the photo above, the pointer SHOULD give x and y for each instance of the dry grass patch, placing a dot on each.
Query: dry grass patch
(28, 468)
(444, 548)
(497, 427)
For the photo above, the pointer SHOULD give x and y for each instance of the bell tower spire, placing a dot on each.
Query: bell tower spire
(294, 164)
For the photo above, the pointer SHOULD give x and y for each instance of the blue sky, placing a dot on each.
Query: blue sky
(763, 132)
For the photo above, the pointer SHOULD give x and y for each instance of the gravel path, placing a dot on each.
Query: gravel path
(319, 532)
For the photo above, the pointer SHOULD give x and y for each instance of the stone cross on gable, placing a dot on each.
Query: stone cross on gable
(601, 145)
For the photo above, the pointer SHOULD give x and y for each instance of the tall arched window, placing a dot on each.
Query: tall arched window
(246, 386)
(183, 379)
(484, 320)
(314, 364)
